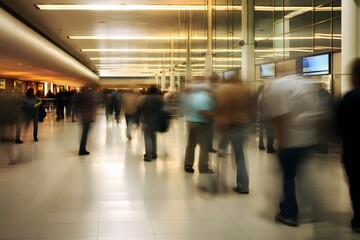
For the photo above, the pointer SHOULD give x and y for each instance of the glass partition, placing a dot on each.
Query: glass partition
(284, 29)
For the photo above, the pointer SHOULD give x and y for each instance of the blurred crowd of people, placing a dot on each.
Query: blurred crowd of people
(296, 117)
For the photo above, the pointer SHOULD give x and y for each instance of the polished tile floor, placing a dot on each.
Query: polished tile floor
(52, 193)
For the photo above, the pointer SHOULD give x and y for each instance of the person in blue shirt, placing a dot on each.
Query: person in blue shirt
(199, 110)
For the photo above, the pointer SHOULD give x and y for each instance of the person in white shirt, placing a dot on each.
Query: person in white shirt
(294, 112)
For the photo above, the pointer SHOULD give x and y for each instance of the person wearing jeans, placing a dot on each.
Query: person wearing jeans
(295, 119)
(235, 135)
(234, 112)
(290, 160)
(264, 125)
(149, 110)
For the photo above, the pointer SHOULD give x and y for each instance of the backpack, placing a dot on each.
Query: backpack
(164, 121)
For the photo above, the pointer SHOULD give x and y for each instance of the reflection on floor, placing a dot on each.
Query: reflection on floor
(52, 193)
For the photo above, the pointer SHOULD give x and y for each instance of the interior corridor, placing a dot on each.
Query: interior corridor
(52, 193)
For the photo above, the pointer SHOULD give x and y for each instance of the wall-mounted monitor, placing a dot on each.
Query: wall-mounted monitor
(229, 75)
(316, 65)
(267, 70)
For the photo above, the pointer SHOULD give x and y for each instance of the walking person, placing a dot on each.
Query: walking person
(86, 108)
(130, 108)
(295, 119)
(198, 105)
(149, 111)
(31, 105)
(264, 125)
(19, 115)
(325, 102)
(348, 117)
(234, 112)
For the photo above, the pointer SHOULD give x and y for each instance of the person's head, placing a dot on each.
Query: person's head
(153, 90)
(356, 73)
(30, 93)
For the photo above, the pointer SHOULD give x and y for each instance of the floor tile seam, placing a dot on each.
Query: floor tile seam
(243, 230)
(150, 221)
(43, 227)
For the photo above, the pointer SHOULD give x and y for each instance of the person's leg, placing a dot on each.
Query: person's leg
(73, 113)
(261, 135)
(237, 140)
(210, 138)
(128, 129)
(36, 122)
(107, 112)
(223, 144)
(289, 160)
(57, 110)
(190, 147)
(148, 144)
(82, 150)
(117, 114)
(202, 136)
(352, 169)
(18, 124)
(62, 107)
(269, 138)
(153, 144)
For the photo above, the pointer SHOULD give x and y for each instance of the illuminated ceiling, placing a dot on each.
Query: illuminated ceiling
(137, 37)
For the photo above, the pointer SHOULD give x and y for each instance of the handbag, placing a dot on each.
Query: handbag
(42, 113)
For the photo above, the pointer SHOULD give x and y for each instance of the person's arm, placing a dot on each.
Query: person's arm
(206, 114)
(37, 105)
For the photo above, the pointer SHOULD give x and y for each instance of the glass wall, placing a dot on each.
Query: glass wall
(300, 28)
(284, 29)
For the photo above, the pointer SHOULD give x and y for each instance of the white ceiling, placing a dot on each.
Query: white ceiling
(59, 25)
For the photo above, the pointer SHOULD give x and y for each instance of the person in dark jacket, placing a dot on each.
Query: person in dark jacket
(348, 117)
(31, 106)
(86, 108)
(149, 110)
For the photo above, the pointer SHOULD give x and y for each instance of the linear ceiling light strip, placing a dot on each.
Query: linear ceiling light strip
(124, 7)
(144, 38)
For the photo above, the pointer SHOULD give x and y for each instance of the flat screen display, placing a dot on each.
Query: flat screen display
(229, 75)
(316, 65)
(267, 70)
